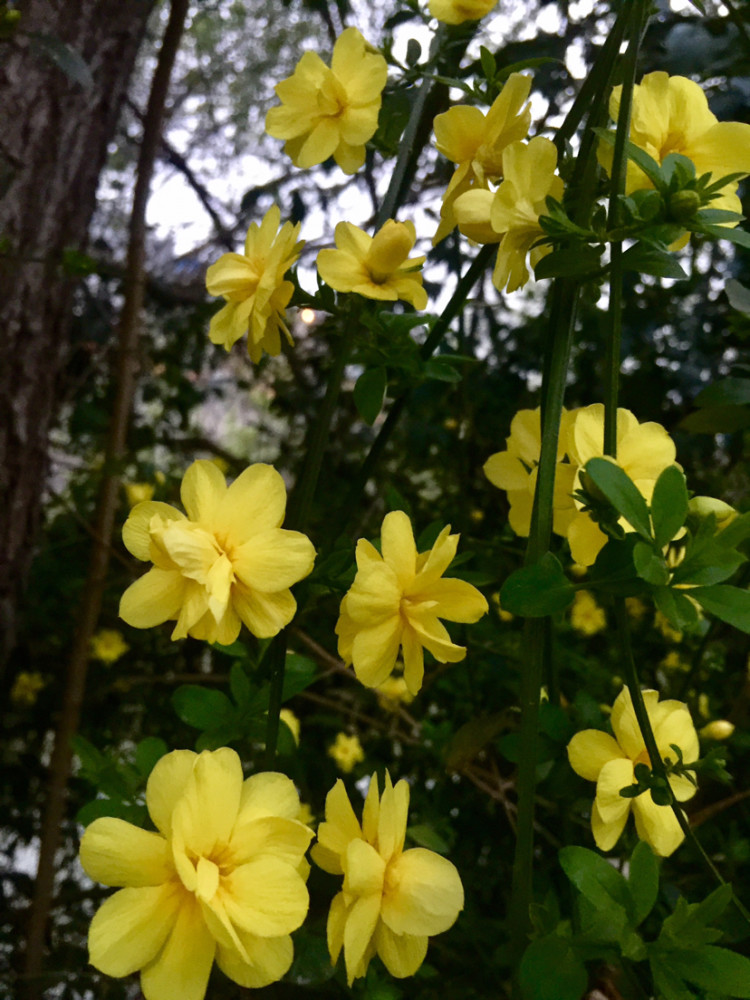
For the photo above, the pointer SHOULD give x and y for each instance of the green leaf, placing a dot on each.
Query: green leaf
(648, 260)
(538, 590)
(707, 564)
(727, 391)
(621, 492)
(441, 370)
(131, 812)
(551, 970)
(203, 708)
(299, 673)
(643, 881)
(487, 59)
(688, 925)
(425, 836)
(668, 982)
(148, 752)
(649, 565)
(68, 59)
(738, 236)
(369, 393)
(676, 608)
(239, 685)
(735, 532)
(730, 604)
(716, 969)
(669, 504)
(569, 263)
(738, 295)
(596, 880)
(716, 420)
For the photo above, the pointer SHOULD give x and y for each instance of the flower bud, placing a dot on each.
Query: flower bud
(684, 204)
(719, 729)
(703, 506)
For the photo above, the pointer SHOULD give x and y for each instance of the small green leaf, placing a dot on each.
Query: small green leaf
(738, 236)
(551, 970)
(648, 260)
(718, 970)
(676, 608)
(730, 391)
(239, 685)
(369, 393)
(441, 370)
(738, 295)
(621, 492)
(487, 59)
(649, 565)
(568, 263)
(538, 590)
(596, 879)
(148, 752)
(425, 836)
(730, 604)
(203, 708)
(716, 420)
(299, 673)
(669, 504)
(643, 880)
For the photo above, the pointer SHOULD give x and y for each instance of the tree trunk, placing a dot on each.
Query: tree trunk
(53, 144)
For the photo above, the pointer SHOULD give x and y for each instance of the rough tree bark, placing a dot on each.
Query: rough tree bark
(53, 144)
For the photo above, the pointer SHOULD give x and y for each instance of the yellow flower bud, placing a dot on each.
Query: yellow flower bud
(719, 729)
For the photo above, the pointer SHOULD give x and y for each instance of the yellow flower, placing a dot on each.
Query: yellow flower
(346, 752)
(610, 762)
(331, 112)
(514, 470)
(396, 602)
(26, 688)
(643, 451)
(253, 285)
(475, 142)
(378, 267)
(392, 693)
(392, 900)
(513, 211)
(458, 11)
(223, 877)
(673, 661)
(288, 717)
(502, 614)
(227, 562)
(108, 645)
(636, 608)
(138, 492)
(586, 616)
(671, 115)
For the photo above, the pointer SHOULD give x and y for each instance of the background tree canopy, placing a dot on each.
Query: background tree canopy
(75, 81)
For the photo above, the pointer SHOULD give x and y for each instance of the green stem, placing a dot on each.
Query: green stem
(407, 151)
(617, 189)
(426, 351)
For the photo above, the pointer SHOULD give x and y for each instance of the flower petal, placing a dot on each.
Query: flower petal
(394, 809)
(399, 550)
(456, 600)
(181, 970)
(203, 487)
(166, 785)
(607, 834)
(340, 827)
(135, 532)
(374, 651)
(117, 853)
(590, 750)
(130, 927)
(264, 614)
(360, 926)
(154, 598)
(205, 815)
(364, 869)
(285, 839)
(614, 776)
(402, 954)
(269, 960)
(423, 893)
(657, 825)
(266, 897)
(267, 794)
(274, 560)
(255, 502)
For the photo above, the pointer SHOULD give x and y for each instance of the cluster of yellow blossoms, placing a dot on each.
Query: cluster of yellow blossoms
(643, 451)
(223, 877)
